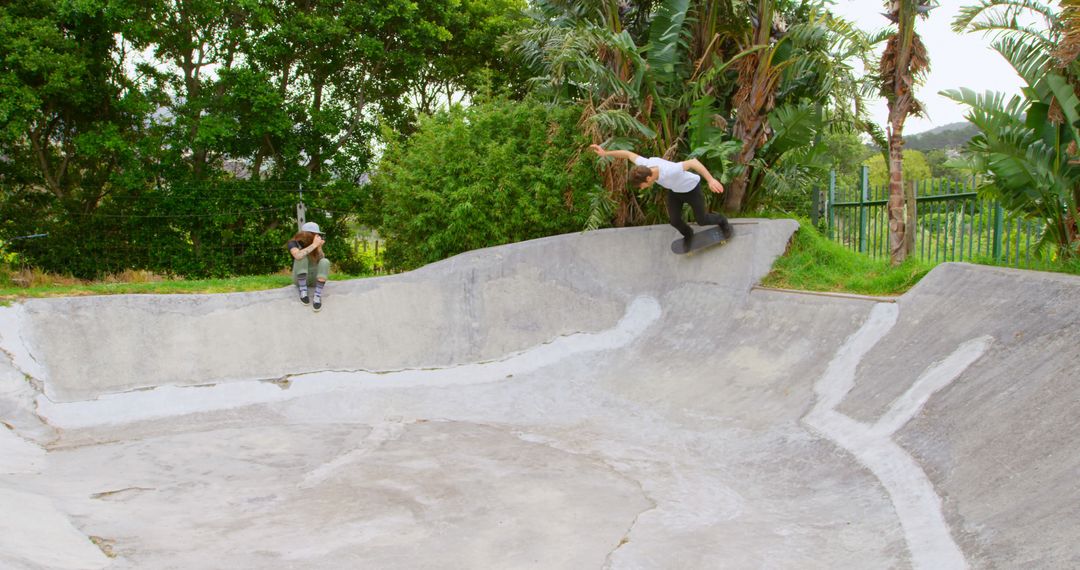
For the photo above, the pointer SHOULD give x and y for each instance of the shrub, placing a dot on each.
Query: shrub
(498, 172)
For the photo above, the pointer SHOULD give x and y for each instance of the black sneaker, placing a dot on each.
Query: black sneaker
(317, 304)
(726, 230)
(304, 299)
(687, 241)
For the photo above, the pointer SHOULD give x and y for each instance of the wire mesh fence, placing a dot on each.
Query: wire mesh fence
(207, 229)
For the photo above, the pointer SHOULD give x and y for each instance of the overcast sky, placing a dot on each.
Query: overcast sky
(956, 60)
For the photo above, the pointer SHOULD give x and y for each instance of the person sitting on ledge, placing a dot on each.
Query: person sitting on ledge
(310, 266)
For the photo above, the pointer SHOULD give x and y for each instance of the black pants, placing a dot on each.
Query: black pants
(703, 217)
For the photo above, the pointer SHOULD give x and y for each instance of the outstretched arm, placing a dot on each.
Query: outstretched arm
(695, 165)
(614, 153)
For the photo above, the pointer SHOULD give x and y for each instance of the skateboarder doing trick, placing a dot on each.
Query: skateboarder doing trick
(682, 188)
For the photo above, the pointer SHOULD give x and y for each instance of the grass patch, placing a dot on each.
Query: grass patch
(35, 285)
(814, 263)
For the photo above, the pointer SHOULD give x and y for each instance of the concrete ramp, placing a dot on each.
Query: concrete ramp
(582, 401)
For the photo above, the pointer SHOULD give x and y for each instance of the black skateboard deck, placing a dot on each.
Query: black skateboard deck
(701, 240)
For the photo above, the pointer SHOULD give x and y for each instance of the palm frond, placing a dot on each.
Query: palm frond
(1030, 60)
(702, 121)
(601, 209)
(989, 111)
(1002, 12)
(621, 122)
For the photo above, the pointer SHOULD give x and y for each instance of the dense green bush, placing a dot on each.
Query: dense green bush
(494, 173)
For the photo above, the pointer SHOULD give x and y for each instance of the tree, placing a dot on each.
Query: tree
(152, 134)
(72, 129)
(903, 64)
(1028, 143)
(916, 168)
(472, 60)
(819, 95)
(846, 153)
(70, 115)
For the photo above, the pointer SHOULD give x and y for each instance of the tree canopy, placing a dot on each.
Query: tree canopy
(176, 134)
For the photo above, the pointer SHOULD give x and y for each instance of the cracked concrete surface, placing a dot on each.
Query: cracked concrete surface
(584, 401)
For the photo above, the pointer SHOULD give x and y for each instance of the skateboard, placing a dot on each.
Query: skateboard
(701, 240)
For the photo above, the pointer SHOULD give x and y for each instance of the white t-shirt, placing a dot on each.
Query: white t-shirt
(672, 175)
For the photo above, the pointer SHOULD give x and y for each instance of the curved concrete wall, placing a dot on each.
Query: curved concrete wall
(473, 307)
(584, 401)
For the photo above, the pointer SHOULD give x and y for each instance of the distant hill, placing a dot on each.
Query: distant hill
(952, 135)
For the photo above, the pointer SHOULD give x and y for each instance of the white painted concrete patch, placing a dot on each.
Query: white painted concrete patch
(917, 504)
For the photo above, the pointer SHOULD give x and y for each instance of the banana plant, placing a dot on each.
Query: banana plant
(663, 78)
(793, 82)
(1028, 143)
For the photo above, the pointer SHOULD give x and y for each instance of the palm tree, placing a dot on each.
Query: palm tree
(1068, 54)
(1028, 143)
(759, 72)
(813, 88)
(903, 65)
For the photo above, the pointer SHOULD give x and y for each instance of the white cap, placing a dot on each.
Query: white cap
(311, 227)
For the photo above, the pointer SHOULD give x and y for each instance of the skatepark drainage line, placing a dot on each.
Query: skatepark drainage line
(852, 296)
(105, 494)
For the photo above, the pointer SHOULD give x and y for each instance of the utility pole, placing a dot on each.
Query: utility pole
(301, 210)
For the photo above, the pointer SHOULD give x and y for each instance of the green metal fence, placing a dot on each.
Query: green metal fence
(951, 223)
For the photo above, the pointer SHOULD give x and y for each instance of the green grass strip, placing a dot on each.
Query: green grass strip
(167, 287)
(814, 263)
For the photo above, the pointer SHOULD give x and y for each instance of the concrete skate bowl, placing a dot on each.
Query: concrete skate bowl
(582, 401)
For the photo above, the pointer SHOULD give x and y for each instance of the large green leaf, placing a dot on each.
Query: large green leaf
(794, 125)
(1067, 99)
(1029, 58)
(1038, 120)
(1021, 150)
(665, 40)
(700, 126)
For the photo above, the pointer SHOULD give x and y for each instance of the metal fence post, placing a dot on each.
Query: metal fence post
(999, 230)
(911, 230)
(830, 202)
(864, 197)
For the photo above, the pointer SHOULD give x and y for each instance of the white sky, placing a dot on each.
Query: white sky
(956, 60)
